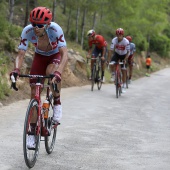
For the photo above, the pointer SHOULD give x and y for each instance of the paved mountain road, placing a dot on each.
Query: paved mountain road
(98, 131)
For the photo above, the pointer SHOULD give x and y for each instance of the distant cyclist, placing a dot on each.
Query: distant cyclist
(100, 48)
(121, 48)
(50, 56)
(131, 57)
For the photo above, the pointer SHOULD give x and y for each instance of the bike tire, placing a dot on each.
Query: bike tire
(93, 77)
(99, 82)
(50, 140)
(117, 84)
(30, 156)
(127, 80)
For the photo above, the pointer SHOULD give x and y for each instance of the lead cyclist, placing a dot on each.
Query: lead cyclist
(119, 50)
(50, 56)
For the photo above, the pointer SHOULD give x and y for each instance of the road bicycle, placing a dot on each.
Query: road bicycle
(118, 77)
(44, 125)
(96, 72)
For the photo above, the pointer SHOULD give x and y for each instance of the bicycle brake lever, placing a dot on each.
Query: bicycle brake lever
(13, 84)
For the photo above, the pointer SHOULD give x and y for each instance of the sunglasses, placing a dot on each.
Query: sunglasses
(38, 25)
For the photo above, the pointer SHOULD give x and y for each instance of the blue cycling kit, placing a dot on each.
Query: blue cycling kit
(55, 35)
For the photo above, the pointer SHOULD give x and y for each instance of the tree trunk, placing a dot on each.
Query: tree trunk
(26, 13)
(11, 10)
(35, 3)
(54, 9)
(94, 20)
(64, 9)
(83, 24)
(68, 22)
(77, 18)
(101, 16)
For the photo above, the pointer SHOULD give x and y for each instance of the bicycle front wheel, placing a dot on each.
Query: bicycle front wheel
(99, 82)
(117, 84)
(93, 77)
(127, 80)
(31, 154)
(50, 140)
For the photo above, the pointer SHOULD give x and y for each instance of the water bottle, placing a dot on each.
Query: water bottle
(45, 107)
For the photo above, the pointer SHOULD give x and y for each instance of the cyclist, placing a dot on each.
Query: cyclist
(100, 48)
(148, 65)
(131, 57)
(50, 55)
(121, 48)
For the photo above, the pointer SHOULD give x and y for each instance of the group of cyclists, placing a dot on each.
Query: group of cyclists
(50, 55)
(121, 49)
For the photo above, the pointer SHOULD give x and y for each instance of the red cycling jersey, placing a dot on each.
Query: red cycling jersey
(99, 42)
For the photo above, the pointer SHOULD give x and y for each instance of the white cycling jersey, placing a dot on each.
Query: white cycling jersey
(121, 47)
(55, 35)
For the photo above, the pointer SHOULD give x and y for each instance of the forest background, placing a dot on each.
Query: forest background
(147, 21)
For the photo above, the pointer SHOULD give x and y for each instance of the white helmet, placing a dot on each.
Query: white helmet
(91, 33)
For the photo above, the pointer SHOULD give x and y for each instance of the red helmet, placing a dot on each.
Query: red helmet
(119, 31)
(40, 15)
(129, 38)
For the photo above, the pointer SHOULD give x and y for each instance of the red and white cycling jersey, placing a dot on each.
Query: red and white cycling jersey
(121, 47)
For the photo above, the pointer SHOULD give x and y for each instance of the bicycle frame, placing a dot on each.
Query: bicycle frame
(117, 77)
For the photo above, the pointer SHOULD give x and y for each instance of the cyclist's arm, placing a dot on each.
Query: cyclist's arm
(89, 52)
(64, 59)
(110, 54)
(103, 51)
(19, 59)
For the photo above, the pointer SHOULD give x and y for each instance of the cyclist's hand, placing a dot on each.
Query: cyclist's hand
(102, 58)
(88, 56)
(57, 77)
(15, 73)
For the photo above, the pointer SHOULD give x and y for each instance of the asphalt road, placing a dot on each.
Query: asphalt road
(99, 131)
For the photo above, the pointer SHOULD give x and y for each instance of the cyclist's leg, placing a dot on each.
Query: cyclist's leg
(115, 58)
(123, 71)
(130, 64)
(103, 64)
(95, 53)
(51, 68)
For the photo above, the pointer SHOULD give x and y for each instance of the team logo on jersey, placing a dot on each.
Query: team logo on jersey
(54, 45)
(23, 41)
(29, 30)
(120, 47)
(53, 29)
(33, 38)
(60, 39)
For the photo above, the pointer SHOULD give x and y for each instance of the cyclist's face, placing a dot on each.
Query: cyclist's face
(39, 31)
(119, 36)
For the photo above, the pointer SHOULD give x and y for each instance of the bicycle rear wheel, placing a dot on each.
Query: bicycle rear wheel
(93, 77)
(30, 155)
(50, 140)
(99, 82)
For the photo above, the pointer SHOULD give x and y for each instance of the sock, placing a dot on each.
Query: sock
(57, 100)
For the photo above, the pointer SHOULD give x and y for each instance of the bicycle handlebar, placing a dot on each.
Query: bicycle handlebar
(13, 84)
